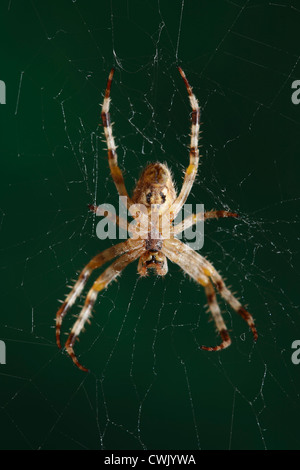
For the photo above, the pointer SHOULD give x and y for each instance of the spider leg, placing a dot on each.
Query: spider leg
(228, 296)
(197, 266)
(95, 263)
(185, 258)
(101, 283)
(116, 172)
(113, 217)
(218, 319)
(191, 171)
(234, 303)
(200, 216)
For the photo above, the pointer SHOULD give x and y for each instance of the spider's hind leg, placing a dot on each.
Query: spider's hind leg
(115, 170)
(191, 170)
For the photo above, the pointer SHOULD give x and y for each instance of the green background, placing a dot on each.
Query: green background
(150, 386)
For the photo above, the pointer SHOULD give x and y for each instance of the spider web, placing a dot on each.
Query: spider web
(150, 387)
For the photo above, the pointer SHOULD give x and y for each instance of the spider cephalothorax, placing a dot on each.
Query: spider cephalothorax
(155, 260)
(153, 237)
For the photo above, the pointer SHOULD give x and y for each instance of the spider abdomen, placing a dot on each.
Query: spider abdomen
(153, 244)
(155, 186)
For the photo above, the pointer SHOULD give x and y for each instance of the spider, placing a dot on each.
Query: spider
(155, 189)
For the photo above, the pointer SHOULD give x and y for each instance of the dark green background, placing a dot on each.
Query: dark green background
(150, 386)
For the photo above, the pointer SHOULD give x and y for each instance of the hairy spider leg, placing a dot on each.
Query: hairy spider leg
(201, 216)
(116, 172)
(191, 171)
(113, 217)
(95, 263)
(218, 319)
(101, 283)
(201, 270)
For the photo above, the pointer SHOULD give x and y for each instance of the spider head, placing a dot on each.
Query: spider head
(155, 187)
(153, 260)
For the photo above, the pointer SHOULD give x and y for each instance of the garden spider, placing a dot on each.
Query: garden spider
(155, 189)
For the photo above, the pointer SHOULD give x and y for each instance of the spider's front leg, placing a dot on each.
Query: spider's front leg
(202, 271)
(234, 302)
(187, 259)
(95, 263)
(218, 319)
(101, 283)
